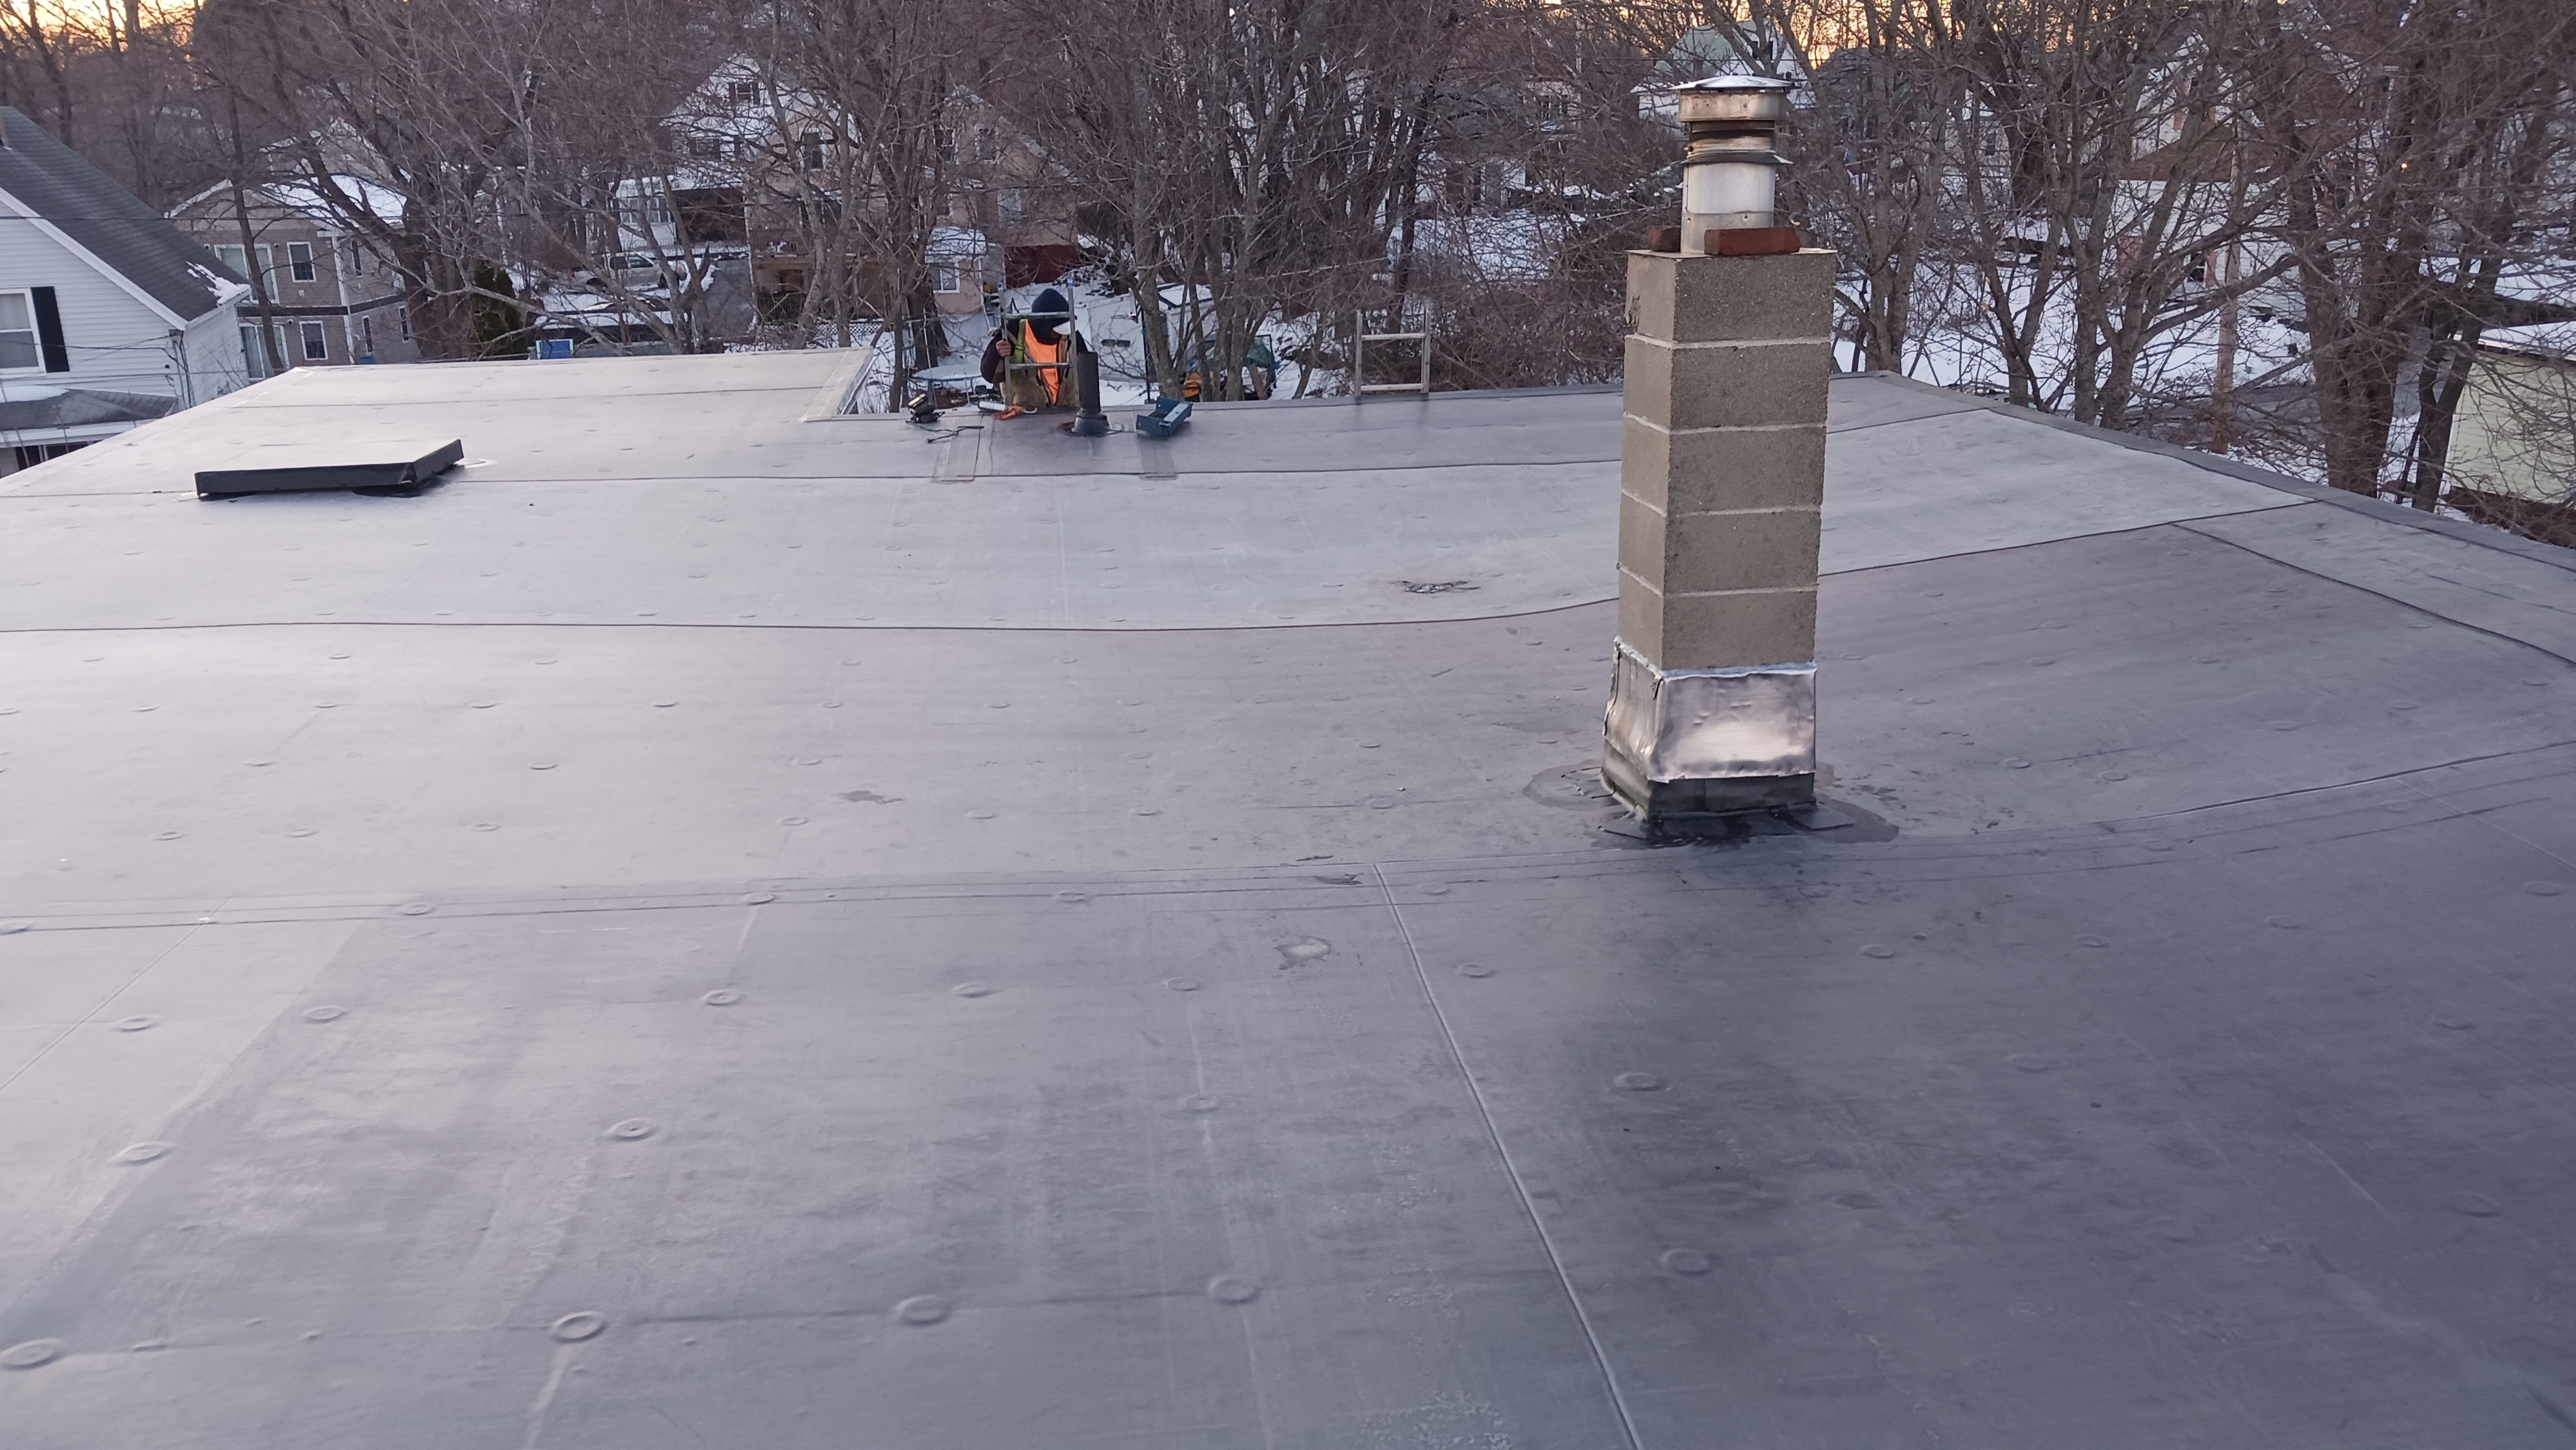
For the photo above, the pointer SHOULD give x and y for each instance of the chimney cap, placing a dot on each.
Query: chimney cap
(1741, 100)
(1764, 84)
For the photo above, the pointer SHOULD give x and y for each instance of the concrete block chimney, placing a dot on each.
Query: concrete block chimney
(1721, 492)
(1722, 481)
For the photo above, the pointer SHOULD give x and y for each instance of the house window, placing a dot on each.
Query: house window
(254, 355)
(943, 276)
(811, 151)
(367, 335)
(299, 261)
(19, 347)
(31, 454)
(235, 258)
(317, 343)
(268, 266)
(357, 258)
(652, 209)
(403, 316)
(744, 93)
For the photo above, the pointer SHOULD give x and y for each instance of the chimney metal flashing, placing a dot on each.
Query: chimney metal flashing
(1697, 742)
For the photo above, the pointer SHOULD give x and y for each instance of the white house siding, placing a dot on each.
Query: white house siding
(115, 341)
(2512, 435)
(214, 353)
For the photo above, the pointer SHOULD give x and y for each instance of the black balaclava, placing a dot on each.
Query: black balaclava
(1049, 301)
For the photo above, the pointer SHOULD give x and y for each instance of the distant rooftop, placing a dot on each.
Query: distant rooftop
(724, 925)
(78, 408)
(2555, 340)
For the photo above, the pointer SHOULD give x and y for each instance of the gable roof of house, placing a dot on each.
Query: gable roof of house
(111, 223)
(82, 408)
(301, 198)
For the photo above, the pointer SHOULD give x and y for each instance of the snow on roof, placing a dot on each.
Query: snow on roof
(2537, 339)
(2550, 282)
(220, 281)
(1512, 244)
(307, 198)
(946, 242)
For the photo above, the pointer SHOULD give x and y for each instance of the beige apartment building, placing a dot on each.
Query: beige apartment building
(334, 298)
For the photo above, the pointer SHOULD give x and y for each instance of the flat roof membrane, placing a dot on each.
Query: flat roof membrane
(724, 925)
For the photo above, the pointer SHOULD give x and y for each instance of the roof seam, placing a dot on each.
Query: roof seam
(1511, 1170)
(870, 628)
(2186, 526)
(2479, 534)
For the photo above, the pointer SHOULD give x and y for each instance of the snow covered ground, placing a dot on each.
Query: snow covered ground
(1954, 345)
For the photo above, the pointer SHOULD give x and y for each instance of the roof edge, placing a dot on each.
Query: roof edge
(2385, 512)
(73, 245)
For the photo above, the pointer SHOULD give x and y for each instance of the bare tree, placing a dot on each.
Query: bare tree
(38, 43)
(2066, 196)
(1259, 157)
(2415, 139)
(1872, 158)
(595, 180)
(868, 99)
(427, 97)
(111, 79)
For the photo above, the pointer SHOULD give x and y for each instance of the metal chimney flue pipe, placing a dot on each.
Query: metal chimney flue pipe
(1730, 171)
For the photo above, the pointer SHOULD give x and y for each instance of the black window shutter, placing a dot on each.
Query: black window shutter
(49, 331)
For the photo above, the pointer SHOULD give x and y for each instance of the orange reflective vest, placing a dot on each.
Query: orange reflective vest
(1033, 351)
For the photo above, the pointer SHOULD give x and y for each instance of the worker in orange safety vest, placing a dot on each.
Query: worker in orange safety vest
(1023, 341)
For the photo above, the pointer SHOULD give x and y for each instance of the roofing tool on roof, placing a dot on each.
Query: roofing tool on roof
(1165, 418)
(1722, 475)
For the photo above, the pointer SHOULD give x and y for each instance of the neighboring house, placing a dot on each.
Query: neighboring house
(2513, 446)
(334, 296)
(1019, 200)
(109, 316)
(1710, 50)
(743, 149)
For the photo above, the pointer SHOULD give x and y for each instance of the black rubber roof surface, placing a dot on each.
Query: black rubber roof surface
(712, 929)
